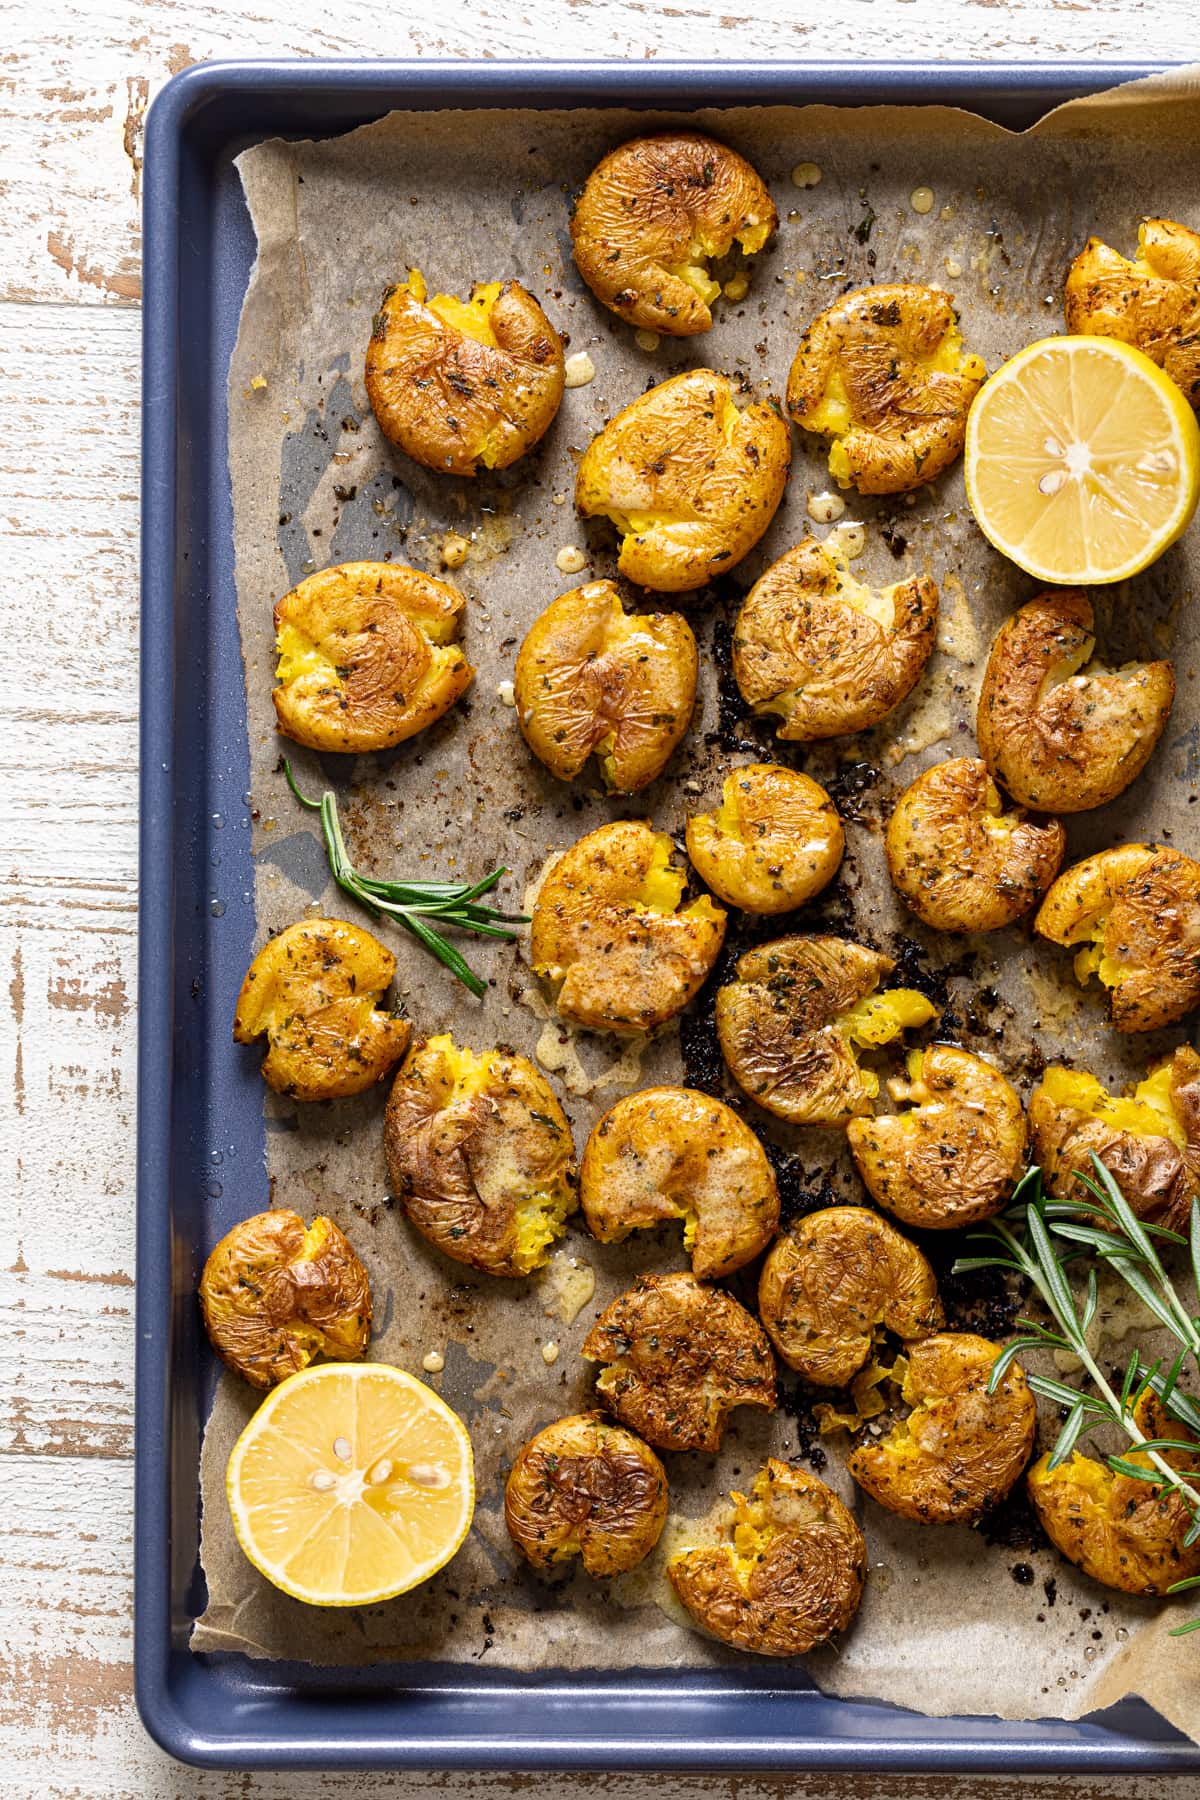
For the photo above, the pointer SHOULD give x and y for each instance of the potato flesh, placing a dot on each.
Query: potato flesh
(540, 1216)
(1148, 1111)
(883, 374)
(833, 417)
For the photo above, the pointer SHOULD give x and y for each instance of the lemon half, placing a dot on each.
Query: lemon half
(352, 1483)
(1082, 460)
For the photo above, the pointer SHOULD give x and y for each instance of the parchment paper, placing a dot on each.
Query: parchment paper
(951, 1622)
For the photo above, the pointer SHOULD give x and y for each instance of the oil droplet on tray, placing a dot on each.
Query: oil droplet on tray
(579, 369)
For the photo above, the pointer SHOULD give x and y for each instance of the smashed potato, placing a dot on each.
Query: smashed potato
(479, 1152)
(1148, 1140)
(826, 653)
(672, 1153)
(775, 841)
(1121, 1531)
(679, 1357)
(960, 1449)
(956, 1155)
(275, 1293)
(958, 859)
(791, 1578)
(585, 1488)
(592, 678)
(313, 991)
(1059, 735)
(1135, 912)
(653, 216)
(689, 481)
(609, 929)
(789, 1021)
(368, 656)
(883, 374)
(1152, 302)
(831, 1284)
(463, 384)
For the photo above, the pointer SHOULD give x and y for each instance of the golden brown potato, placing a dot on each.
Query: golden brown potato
(1119, 1530)
(791, 1578)
(368, 656)
(1148, 1140)
(313, 991)
(960, 1449)
(883, 374)
(479, 1152)
(654, 214)
(1135, 910)
(593, 678)
(829, 1285)
(789, 1021)
(679, 1357)
(459, 384)
(774, 843)
(585, 1488)
(672, 1153)
(608, 927)
(689, 481)
(958, 859)
(1057, 735)
(956, 1156)
(826, 653)
(275, 1293)
(1153, 302)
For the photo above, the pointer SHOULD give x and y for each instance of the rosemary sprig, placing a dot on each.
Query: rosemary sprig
(411, 903)
(1111, 1231)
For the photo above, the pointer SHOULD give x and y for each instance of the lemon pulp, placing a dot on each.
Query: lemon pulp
(352, 1483)
(1082, 460)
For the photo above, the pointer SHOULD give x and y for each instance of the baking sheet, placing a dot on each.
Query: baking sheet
(469, 196)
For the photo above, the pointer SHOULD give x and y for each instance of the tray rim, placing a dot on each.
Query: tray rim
(190, 106)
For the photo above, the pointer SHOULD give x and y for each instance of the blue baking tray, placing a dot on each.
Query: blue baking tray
(200, 1122)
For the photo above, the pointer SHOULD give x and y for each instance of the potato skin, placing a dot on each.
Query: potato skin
(1153, 303)
(1144, 899)
(690, 482)
(665, 1152)
(803, 649)
(950, 864)
(829, 1283)
(799, 1589)
(960, 1450)
(1119, 1530)
(680, 1356)
(906, 422)
(592, 678)
(466, 1166)
(1158, 1179)
(452, 402)
(312, 990)
(775, 1022)
(1054, 736)
(776, 841)
(583, 1487)
(389, 663)
(275, 1293)
(621, 969)
(955, 1158)
(643, 208)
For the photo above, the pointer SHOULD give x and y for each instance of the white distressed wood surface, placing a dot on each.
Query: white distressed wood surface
(75, 79)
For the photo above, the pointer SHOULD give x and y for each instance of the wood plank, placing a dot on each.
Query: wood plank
(72, 108)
